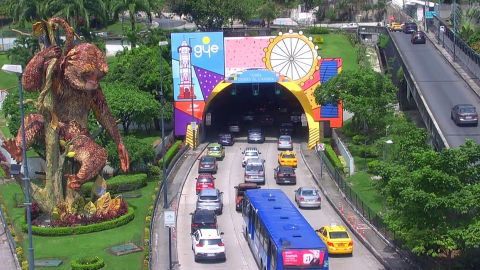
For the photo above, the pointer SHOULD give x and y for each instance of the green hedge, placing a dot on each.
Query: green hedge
(113, 183)
(330, 154)
(88, 263)
(170, 154)
(315, 30)
(61, 231)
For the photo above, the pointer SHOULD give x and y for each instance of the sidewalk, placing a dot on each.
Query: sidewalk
(175, 181)
(385, 253)
(6, 255)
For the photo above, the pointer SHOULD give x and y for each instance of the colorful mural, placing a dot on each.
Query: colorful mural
(290, 59)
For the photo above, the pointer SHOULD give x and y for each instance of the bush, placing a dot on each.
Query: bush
(369, 152)
(318, 40)
(370, 165)
(383, 41)
(170, 154)
(153, 171)
(159, 156)
(315, 30)
(35, 211)
(61, 231)
(139, 180)
(344, 164)
(87, 263)
(358, 139)
(330, 154)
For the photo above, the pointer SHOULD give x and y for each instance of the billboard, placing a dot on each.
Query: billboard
(198, 65)
(303, 258)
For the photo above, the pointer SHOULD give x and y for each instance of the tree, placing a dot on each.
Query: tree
(208, 15)
(130, 105)
(24, 49)
(433, 204)
(29, 11)
(365, 93)
(140, 152)
(242, 10)
(133, 7)
(268, 12)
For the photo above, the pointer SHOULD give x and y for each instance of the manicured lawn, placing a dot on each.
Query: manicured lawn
(116, 29)
(74, 246)
(337, 46)
(6, 80)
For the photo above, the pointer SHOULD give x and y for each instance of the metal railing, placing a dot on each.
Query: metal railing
(375, 219)
(9, 236)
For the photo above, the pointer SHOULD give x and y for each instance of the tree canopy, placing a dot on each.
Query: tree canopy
(140, 152)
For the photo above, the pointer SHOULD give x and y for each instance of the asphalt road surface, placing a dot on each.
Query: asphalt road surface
(441, 87)
(239, 256)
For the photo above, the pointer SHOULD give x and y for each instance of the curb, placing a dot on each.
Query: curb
(325, 193)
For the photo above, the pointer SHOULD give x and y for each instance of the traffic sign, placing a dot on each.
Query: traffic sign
(321, 147)
(430, 14)
(255, 92)
(193, 125)
(169, 219)
(277, 91)
(208, 119)
(233, 92)
(391, 18)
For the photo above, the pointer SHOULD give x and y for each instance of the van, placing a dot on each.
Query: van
(255, 171)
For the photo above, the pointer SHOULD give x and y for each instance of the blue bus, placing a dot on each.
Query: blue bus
(278, 235)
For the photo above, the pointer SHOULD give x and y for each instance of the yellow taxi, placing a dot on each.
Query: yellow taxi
(287, 158)
(336, 238)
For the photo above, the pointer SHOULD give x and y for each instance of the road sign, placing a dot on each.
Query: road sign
(303, 120)
(169, 219)
(321, 147)
(208, 119)
(391, 18)
(277, 91)
(193, 126)
(233, 92)
(255, 92)
(430, 14)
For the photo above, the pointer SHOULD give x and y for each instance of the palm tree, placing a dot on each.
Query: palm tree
(133, 7)
(29, 11)
(367, 8)
(466, 21)
(78, 12)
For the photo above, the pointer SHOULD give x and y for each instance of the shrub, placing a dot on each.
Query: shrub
(358, 139)
(170, 154)
(61, 231)
(318, 40)
(315, 30)
(139, 180)
(153, 171)
(330, 154)
(369, 152)
(159, 156)
(344, 164)
(87, 263)
(35, 211)
(383, 41)
(371, 165)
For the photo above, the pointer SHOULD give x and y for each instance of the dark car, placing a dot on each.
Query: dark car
(286, 129)
(267, 120)
(256, 22)
(255, 135)
(207, 165)
(409, 28)
(464, 114)
(203, 219)
(240, 192)
(418, 37)
(284, 175)
(225, 139)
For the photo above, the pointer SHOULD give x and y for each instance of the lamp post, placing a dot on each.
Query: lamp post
(17, 70)
(365, 140)
(386, 130)
(164, 170)
(438, 30)
(454, 26)
(425, 16)
(385, 142)
(191, 93)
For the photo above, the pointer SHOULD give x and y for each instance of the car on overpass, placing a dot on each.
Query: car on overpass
(418, 37)
(409, 28)
(463, 114)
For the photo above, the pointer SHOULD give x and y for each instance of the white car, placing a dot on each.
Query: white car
(207, 244)
(250, 152)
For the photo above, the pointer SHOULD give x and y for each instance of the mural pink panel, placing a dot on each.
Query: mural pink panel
(243, 53)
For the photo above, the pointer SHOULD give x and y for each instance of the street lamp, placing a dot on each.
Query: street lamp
(365, 140)
(454, 26)
(192, 91)
(17, 70)
(385, 142)
(164, 170)
(386, 130)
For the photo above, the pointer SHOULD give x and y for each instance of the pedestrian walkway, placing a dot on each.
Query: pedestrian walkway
(6, 250)
(380, 248)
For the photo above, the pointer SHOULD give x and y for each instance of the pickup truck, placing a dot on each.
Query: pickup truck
(395, 27)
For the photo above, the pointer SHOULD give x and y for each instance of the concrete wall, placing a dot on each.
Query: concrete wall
(344, 152)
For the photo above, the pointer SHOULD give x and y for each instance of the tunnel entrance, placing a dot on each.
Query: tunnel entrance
(248, 103)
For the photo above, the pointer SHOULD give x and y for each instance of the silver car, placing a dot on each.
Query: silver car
(255, 135)
(464, 114)
(285, 142)
(308, 197)
(210, 199)
(255, 171)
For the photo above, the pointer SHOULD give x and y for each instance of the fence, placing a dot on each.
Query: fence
(375, 219)
(8, 234)
(344, 152)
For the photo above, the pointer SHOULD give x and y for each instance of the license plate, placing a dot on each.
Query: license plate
(286, 181)
(211, 254)
(341, 245)
(254, 176)
(468, 117)
(310, 200)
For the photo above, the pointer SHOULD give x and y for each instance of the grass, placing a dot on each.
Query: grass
(6, 80)
(74, 246)
(116, 29)
(337, 46)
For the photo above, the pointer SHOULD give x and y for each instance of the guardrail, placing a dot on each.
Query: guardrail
(9, 236)
(438, 140)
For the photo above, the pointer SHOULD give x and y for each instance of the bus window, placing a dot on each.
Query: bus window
(273, 256)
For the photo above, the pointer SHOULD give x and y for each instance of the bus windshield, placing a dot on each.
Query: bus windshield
(304, 258)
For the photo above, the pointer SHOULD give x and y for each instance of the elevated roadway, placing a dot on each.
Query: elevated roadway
(239, 256)
(441, 86)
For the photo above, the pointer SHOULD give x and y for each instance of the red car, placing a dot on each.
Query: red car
(204, 181)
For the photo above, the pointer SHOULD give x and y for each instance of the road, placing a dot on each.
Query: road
(441, 86)
(238, 254)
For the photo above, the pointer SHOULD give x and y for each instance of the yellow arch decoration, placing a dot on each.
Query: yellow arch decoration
(294, 88)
